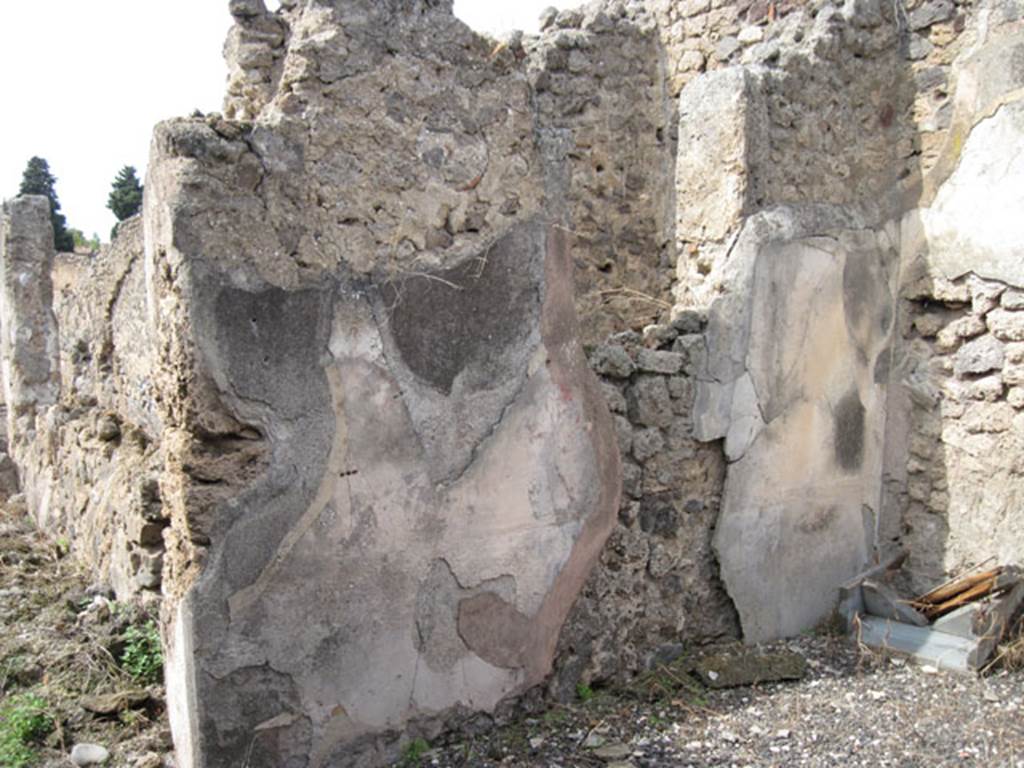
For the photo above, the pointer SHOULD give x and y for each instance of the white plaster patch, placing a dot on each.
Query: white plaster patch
(975, 224)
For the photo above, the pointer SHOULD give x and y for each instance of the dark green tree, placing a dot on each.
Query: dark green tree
(37, 180)
(125, 194)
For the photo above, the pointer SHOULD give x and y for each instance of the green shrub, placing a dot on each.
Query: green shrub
(24, 721)
(142, 657)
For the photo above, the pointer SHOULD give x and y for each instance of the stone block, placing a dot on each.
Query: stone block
(1015, 397)
(694, 349)
(1013, 374)
(984, 294)
(689, 321)
(659, 361)
(979, 356)
(649, 402)
(715, 120)
(988, 388)
(930, 12)
(987, 418)
(657, 336)
(612, 361)
(1012, 298)
(28, 345)
(632, 477)
(614, 397)
(647, 442)
(623, 434)
(1005, 324)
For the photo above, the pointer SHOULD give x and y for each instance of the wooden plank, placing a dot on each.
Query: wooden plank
(942, 650)
(976, 592)
(955, 586)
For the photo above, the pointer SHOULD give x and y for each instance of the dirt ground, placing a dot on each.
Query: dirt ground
(69, 652)
(65, 646)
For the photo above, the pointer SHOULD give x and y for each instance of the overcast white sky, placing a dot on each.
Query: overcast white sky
(85, 81)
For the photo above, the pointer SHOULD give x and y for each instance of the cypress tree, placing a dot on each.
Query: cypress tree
(125, 194)
(37, 180)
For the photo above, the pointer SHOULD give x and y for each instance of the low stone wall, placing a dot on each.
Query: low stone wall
(656, 587)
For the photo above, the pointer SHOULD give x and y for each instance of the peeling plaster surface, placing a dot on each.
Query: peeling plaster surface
(805, 417)
(975, 225)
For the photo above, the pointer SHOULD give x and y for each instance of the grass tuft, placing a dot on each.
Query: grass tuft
(25, 721)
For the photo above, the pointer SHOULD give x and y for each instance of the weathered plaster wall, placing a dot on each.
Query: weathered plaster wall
(788, 165)
(795, 384)
(799, 248)
(382, 428)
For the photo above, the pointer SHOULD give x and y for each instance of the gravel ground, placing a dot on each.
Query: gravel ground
(853, 708)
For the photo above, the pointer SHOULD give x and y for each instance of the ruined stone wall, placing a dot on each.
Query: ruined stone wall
(84, 435)
(955, 458)
(851, 144)
(597, 78)
(657, 587)
(818, 113)
(336, 370)
(956, 438)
